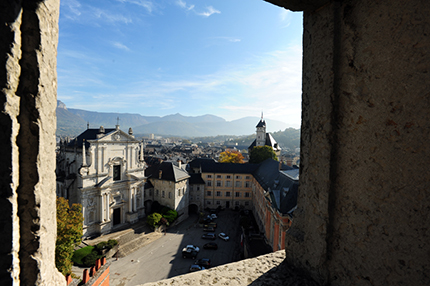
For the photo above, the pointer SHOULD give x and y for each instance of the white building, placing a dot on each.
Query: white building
(108, 181)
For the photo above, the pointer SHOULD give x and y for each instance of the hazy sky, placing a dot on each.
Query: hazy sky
(231, 58)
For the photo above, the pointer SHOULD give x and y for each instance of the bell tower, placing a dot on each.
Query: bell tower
(261, 132)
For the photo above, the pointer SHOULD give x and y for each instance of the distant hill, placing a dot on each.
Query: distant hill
(72, 122)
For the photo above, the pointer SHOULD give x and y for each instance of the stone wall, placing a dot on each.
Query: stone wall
(28, 82)
(364, 176)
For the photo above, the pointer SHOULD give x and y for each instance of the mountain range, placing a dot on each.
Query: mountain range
(72, 122)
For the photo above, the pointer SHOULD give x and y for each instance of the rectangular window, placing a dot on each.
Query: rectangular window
(179, 192)
(236, 203)
(170, 195)
(237, 177)
(209, 176)
(228, 177)
(208, 202)
(238, 184)
(237, 194)
(227, 194)
(247, 195)
(156, 193)
(117, 172)
(191, 198)
(162, 194)
(228, 184)
(198, 188)
(218, 202)
(218, 176)
(150, 192)
(209, 183)
(247, 184)
(247, 177)
(218, 183)
(246, 203)
(208, 193)
(218, 194)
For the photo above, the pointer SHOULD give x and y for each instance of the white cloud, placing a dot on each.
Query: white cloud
(209, 11)
(120, 46)
(110, 17)
(184, 5)
(148, 5)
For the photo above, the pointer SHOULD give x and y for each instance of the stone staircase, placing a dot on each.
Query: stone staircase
(131, 242)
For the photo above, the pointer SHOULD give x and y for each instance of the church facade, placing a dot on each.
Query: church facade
(104, 170)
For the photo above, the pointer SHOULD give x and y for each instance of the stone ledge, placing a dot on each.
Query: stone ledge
(269, 269)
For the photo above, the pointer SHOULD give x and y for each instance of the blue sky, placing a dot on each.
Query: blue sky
(231, 58)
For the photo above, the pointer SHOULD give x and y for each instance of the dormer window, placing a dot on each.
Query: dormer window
(117, 172)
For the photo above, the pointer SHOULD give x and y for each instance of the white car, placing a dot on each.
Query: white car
(191, 247)
(213, 216)
(223, 236)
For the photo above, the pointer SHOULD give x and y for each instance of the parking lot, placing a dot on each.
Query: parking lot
(163, 258)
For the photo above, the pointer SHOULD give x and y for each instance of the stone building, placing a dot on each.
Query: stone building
(103, 169)
(365, 124)
(170, 187)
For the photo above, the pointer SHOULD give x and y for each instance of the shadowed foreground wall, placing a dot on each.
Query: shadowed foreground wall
(364, 175)
(29, 37)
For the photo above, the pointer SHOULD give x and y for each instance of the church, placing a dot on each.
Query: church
(104, 170)
(263, 138)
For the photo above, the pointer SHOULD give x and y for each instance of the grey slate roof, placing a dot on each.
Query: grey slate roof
(169, 172)
(262, 123)
(211, 166)
(196, 179)
(280, 186)
(89, 134)
(270, 141)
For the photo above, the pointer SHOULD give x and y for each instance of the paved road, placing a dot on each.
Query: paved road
(162, 259)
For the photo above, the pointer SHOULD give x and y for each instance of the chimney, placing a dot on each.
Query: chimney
(179, 164)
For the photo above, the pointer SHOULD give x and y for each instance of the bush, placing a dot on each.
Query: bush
(90, 259)
(153, 219)
(111, 243)
(171, 215)
(102, 245)
(80, 254)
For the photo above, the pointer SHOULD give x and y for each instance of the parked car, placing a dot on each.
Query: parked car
(209, 235)
(211, 224)
(207, 220)
(223, 236)
(210, 245)
(195, 267)
(209, 229)
(213, 216)
(192, 247)
(189, 253)
(205, 262)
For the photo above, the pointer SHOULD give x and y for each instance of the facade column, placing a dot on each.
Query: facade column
(107, 207)
(130, 209)
(101, 208)
(134, 200)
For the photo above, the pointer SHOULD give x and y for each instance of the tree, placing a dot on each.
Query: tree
(69, 233)
(153, 219)
(230, 156)
(260, 153)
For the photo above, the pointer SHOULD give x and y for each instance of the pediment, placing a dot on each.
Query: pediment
(118, 136)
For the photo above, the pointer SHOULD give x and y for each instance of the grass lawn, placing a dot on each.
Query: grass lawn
(81, 253)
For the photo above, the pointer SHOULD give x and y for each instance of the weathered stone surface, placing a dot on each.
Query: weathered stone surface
(28, 93)
(364, 176)
(263, 270)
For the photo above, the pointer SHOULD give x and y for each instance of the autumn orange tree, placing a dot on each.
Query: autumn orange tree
(69, 233)
(230, 156)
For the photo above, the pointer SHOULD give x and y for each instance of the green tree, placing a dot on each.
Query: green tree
(153, 219)
(230, 156)
(69, 233)
(260, 153)
(171, 215)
